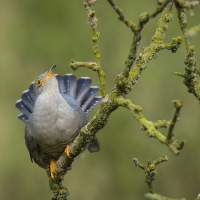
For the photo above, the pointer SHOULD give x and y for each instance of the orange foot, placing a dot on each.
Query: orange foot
(67, 151)
(52, 167)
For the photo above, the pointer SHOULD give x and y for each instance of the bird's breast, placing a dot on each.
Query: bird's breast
(53, 121)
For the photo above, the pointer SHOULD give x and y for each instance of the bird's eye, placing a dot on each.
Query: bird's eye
(38, 82)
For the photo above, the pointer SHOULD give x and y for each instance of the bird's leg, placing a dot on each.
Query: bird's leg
(52, 167)
(67, 151)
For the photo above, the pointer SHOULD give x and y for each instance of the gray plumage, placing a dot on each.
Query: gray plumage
(54, 109)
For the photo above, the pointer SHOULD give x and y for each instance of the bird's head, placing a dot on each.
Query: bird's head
(46, 81)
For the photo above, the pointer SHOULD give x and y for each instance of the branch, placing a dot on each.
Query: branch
(191, 76)
(123, 85)
(183, 23)
(151, 128)
(150, 170)
(155, 196)
(92, 20)
(126, 83)
(136, 29)
(178, 105)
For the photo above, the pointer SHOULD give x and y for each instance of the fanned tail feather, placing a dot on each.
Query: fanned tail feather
(71, 84)
(23, 108)
(31, 92)
(27, 100)
(80, 89)
(83, 86)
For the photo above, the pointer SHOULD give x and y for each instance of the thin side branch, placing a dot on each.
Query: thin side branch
(183, 23)
(150, 170)
(178, 105)
(151, 128)
(156, 196)
(92, 20)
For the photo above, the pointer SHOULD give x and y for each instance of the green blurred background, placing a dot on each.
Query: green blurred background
(37, 34)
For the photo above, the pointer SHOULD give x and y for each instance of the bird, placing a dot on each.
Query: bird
(54, 109)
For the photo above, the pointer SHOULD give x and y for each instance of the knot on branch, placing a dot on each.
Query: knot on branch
(123, 84)
(176, 146)
(144, 18)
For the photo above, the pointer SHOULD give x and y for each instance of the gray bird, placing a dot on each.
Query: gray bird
(54, 109)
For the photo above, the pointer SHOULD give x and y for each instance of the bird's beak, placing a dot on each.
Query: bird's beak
(51, 71)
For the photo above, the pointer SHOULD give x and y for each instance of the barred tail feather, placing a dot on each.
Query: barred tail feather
(83, 86)
(22, 117)
(27, 100)
(92, 104)
(23, 108)
(89, 97)
(31, 92)
(70, 84)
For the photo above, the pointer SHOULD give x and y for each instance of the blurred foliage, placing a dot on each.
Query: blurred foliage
(37, 34)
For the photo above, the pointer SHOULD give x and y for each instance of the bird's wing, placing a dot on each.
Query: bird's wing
(31, 143)
(36, 154)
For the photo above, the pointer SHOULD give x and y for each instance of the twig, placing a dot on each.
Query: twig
(150, 170)
(122, 17)
(155, 196)
(178, 105)
(183, 23)
(160, 8)
(156, 45)
(191, 78)
(92, 20)
(151, 128)
(187, 4)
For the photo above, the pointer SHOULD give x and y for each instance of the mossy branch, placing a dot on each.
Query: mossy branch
(156, 196)
(191, 75)
(150, 170)
(92, 20)
(151, 128)
(123, 85)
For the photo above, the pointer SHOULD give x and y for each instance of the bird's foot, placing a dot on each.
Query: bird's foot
(67, 151)
(52, 167)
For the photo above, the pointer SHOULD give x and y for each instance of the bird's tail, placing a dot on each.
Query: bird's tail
(79, 89)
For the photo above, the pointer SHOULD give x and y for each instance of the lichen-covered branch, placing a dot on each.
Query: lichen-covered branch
(178, 105)
(92, 20)
(151, 128)
(124, 84)
(150, 170)
(191, 76)
(134, 65)
(136, 29)
(161, 6)
(187, 4)
(183, 23)
(156, 196)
